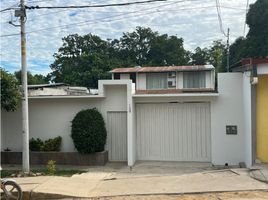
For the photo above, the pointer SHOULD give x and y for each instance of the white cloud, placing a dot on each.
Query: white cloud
(193, 20)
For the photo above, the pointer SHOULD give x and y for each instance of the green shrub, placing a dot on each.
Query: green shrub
(52, 144)
(51, 167)
(88, 131)
(48, 145)
(35, 144)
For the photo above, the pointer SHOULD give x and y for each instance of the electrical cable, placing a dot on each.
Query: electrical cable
(244, 29)
(97, 20)
(95, 6)
(219, 17)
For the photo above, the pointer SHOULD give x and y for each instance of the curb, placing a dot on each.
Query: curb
(30, 195)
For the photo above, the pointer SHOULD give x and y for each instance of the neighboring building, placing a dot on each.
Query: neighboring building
(56, 89)
(255, 78)
(171, 79)
(184, 120)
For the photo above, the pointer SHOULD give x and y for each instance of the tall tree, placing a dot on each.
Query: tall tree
(200, 56)
(217, 55)
(10, 95)
(82, 60)
(135, 46)
(32, 79)
(214, 55)
(256, 42)
(167, 50)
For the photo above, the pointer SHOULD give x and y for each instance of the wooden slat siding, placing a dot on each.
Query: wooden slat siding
(173, 132)
(117, 136)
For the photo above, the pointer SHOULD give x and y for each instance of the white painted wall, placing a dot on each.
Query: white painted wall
(48, 118)
(262, 69)
(228, 110)
(141, 81)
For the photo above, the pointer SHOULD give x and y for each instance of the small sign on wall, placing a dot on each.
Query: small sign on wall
(231, 130)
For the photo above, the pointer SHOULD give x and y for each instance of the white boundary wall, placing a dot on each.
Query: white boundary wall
(51, 116)
(228, 110)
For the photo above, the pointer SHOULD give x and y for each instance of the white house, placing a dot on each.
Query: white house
(157, 113)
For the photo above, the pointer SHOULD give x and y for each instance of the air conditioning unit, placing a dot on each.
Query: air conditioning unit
(171, 83)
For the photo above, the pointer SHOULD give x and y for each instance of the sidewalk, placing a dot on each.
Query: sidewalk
(102, 184)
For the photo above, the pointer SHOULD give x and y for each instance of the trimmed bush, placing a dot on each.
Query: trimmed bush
(35, 144)
(52, 144)
(47, 145)
(88, 131)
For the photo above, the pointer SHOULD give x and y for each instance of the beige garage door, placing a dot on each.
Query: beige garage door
(173, 132)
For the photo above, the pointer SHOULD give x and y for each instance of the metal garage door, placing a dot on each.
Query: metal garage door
(173, 132)
(117, 136)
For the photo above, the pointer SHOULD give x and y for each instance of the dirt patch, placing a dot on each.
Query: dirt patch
(250, 195)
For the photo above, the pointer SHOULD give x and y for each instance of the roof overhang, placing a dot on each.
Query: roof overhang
(246, 64)
(163, 69)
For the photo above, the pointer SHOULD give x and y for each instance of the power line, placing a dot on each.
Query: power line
(108, 19)
(219, 17)
(244, 30)
(99, 20)
(94, 6)
(9, 8)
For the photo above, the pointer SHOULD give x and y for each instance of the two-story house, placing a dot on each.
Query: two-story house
(170, 79)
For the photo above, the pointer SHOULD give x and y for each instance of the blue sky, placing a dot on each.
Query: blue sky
(194, 20)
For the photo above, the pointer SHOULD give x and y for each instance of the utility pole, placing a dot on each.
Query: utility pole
(228, 50)
(25, 118)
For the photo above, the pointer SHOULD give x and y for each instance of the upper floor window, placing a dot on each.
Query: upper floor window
(155, 81)
(194, 79)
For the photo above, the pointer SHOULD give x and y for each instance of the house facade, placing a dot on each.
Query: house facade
(255, 77)
(161, 113)
(172, 79)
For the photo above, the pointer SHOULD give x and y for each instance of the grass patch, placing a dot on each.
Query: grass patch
(60, 172)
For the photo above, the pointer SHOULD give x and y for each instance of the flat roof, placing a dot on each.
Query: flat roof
(46, 85)
(65, 97)
(162, 69)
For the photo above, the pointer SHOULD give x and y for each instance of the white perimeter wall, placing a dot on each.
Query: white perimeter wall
(50, 118)
(227, 109)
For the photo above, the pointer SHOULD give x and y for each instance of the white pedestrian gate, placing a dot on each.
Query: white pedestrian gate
(173, 132)
(117, 136)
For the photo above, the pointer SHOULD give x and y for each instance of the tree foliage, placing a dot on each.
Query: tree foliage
(214, 55)
(256, 42)
(10, 95)
(83, 60)
(33, 79)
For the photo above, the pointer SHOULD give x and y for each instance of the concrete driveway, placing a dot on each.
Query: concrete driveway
(119, 170)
